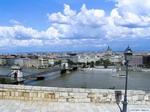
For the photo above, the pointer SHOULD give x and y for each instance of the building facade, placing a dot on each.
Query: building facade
(21, 62)
(146, 60)
(136, 60)
(116, 60)
(32, 63)
(88, 58)
(2, 62)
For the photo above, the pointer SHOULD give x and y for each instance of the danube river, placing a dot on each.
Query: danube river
(92, 79)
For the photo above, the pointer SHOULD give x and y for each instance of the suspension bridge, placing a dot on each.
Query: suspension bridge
(17, 74)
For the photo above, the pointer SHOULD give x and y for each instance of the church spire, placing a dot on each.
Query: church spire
(108, 49)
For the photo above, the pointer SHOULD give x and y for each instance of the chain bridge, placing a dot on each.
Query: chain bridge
(17, 74)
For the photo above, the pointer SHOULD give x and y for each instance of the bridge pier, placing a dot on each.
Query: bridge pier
(66, 67)
(17, 75)
(40, 78)
(63, 71)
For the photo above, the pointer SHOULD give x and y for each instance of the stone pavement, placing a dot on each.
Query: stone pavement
(45, 106)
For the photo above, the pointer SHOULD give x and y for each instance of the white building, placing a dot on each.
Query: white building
(117, 60)
(51, 61)
(26, 62)
(73, 58)
(21, 61)
(87, 58)
(32, 63)
(44, 62)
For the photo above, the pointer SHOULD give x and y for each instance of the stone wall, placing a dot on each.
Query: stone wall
(55, 94)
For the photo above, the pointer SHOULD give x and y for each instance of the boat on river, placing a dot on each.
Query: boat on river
(119, 75)
(99, 69)
(145, 70)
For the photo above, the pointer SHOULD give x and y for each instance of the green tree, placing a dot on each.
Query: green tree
(97, 63)
(57, 62)
(81, 64)
(84, 65)
(71, 62)
(5, 81)
(101, 61)
(88, 63)
(92, 64)
(106, 63)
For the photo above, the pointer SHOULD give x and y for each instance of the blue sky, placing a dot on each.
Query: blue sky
(74, 25)
(32, 13)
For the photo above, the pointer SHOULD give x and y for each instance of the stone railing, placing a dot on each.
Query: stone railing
(54, 94)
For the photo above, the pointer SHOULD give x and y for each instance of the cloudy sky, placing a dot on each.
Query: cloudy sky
(74, 25)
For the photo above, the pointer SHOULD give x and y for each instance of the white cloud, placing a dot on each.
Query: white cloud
(65, 18)
(68, 11)
(86, 18)
(32, 42)
(58, 18)
(101, 45)
(4, 42)
(14, 22)
(123, 22)
(15, 42)
(85, 24)
(19, 32)
(52, 33)
(26, 33)
(93, 18)
(133, 13)
(129, 20)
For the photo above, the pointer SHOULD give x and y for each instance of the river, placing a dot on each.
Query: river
(97, 79)
(93, 79)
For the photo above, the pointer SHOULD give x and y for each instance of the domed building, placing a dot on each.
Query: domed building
(109, 51)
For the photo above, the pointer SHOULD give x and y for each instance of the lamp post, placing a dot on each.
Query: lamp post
(128, 57)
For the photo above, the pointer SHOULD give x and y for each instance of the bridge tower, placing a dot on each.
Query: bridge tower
(16, 74)
(64, 64)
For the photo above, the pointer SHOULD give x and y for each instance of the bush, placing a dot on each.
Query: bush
(5, 81)
(106, 63)
(112, 87)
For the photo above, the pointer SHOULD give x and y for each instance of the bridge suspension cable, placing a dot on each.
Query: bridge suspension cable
(7, 75)
(26, 71)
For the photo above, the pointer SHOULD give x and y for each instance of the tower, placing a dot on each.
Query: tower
(64, 64)
(109, 51)
(16, 73)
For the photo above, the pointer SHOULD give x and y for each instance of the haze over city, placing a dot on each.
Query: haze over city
(71, 25)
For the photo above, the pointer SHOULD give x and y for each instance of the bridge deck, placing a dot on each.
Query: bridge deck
(33, 75)
(41, 73)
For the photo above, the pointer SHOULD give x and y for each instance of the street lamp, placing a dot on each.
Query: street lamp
(128, 57)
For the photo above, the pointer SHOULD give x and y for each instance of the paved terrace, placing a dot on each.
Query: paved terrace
(45, 106)
(20, 98)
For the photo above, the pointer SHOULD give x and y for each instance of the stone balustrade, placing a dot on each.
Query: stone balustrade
(55, 94)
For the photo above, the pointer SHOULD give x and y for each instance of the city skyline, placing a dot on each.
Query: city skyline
(85, 25)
